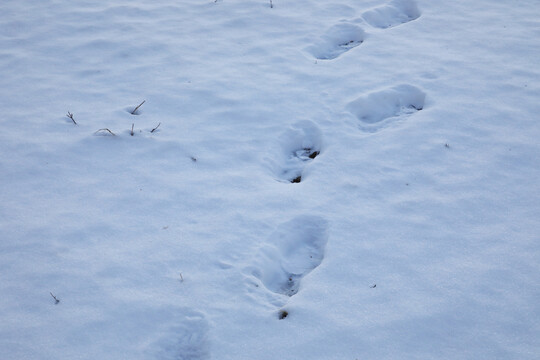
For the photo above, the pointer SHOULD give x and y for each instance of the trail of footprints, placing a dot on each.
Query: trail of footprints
(375, 110)
(297, 247)
(345, 36)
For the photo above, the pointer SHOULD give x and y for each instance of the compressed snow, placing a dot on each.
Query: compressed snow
(392, 14)
(381, 107)
(369, 168)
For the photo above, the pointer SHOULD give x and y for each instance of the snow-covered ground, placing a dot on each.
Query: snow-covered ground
(329, 179)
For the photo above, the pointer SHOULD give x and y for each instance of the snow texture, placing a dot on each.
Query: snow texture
(367, 168)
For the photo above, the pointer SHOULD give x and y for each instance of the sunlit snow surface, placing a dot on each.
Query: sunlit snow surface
(368, 168)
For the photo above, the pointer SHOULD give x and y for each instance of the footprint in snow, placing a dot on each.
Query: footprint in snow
(299, 145)
(379, 109)
(337, 40)
(186, 339)
(292, 251)
(396, 12)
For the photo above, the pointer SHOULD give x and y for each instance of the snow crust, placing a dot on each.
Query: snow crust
(367, 168)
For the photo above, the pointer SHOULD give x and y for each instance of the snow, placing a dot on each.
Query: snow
(410, 130)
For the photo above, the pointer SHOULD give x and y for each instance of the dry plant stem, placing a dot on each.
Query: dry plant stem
(271, 5)
(70, 115)
(154, 129)
(105, 129)
(56, 301)
(137, 108)
(132, 125)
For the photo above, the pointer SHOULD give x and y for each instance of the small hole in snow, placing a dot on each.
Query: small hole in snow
(283, 314)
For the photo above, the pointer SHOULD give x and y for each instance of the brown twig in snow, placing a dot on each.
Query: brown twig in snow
(70, 115)
(105, 129)
(154, 129)
(56, 301)
(137, 108)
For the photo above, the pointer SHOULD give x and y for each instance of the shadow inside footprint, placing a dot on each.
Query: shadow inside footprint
(291, 286)
(306, 154)
(338, 39)
(394, 13)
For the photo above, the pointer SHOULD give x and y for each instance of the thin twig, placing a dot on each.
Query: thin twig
(105, 129)
(70, 115)
(132, 125)
(137, 108)
(271, 5)
(154, 129)
(181, 278)
(56, 301)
